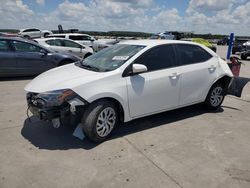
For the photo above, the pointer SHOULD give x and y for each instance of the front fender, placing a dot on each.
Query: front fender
(116, 97)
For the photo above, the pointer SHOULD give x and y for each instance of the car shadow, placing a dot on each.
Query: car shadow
(44, 136)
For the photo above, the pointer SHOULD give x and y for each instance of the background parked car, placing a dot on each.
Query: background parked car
(21, 57)
(244, 55)
(66, 45)
(85, 40)
(223, 41)
(7, 34)
(239, 45)
(33, 33)
(202, 41)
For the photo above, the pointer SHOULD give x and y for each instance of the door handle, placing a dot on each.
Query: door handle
(174, 75)
(212, 68)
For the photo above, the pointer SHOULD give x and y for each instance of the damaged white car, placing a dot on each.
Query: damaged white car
(129, 80)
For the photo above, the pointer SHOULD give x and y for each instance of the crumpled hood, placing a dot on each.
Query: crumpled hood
(65, 77)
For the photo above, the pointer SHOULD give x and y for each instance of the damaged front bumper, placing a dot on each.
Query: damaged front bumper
(38, 107)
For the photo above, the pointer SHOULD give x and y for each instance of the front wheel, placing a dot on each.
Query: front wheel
(215, 97)
(99, 120)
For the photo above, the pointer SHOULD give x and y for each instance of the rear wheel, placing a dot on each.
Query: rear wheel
(215, 96)
(99, 120)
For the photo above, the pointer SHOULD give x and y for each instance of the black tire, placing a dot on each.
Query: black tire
(45, 35)
(87, 55)
(243, 57)
(211, 103)
(90, 120)
(26, 37)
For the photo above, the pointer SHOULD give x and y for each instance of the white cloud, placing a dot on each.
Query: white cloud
(40, 2)
(13, 13)
(208, 5)
(210, 16)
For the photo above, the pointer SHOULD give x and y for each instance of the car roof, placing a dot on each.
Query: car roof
(76, 34)
(52, 38)
(150, 42)
(28, 28)
(55, 38)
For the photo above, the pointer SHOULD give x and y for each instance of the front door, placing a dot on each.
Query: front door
(157, 89)
(30, 60)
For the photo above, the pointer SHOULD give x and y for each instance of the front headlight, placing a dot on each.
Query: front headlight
(55, 98)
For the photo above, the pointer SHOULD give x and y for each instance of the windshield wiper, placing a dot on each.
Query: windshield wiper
(89, 67)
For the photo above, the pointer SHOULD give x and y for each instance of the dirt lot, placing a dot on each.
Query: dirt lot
(190, 147)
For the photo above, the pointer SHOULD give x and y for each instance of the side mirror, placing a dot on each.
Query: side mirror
(139, 68)
(44, 52)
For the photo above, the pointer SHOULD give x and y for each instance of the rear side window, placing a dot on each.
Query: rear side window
(79, 37)
(31, 30)
(190, 54)
(56, 42)
(71, 44)
(158, 58)
(4, 45)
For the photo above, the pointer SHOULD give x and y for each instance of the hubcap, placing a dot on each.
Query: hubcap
(216, 96)
(105, 121)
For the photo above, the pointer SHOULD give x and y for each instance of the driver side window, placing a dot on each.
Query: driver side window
(25, 47)
(157, 58)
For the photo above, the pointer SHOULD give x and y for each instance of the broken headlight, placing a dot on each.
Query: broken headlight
(55, 98)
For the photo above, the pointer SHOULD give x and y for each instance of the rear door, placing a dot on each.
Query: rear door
(8, 62)
(74, 48)
(198, 70)
(30, 60)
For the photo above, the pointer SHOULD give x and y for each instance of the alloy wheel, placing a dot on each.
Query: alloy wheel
(105, 121)
(216, 96)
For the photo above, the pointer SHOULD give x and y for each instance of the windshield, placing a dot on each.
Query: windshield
(110, 58)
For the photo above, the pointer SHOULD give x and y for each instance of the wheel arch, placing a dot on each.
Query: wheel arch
(117, 103)
(87, 55)
(224, 79)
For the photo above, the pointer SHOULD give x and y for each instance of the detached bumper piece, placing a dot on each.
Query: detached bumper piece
(237, 86)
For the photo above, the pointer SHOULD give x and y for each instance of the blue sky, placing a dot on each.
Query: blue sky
(199, 16)
(181, 5)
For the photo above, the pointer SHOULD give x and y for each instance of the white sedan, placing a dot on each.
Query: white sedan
(66, 45)
(127, 81)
